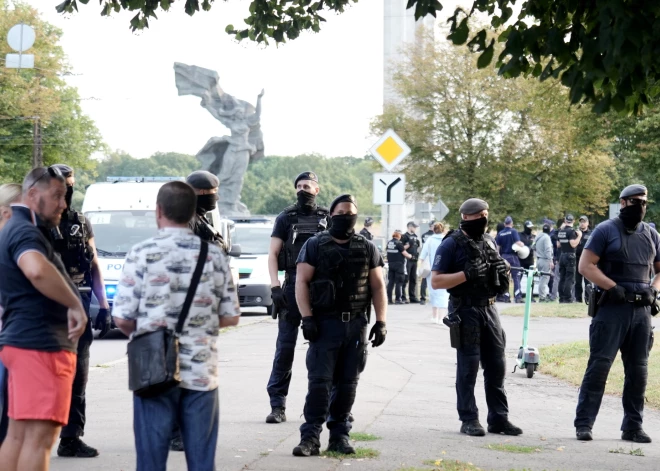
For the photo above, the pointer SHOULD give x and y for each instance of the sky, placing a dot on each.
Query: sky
(321, 90)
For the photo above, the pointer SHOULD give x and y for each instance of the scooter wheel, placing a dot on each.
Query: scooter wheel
(530, 370)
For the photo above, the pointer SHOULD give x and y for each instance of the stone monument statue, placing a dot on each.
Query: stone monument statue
(227, 156)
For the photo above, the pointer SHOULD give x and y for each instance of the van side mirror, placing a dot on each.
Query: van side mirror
(235, 250)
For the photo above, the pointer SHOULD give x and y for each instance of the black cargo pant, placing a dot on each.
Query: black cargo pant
(76, 426)
(482, 339)
(411, 280)
(624, 327)
(335, 360)
(395, 281)
(566, 277)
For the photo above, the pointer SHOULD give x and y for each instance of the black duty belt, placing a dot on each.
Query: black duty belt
(470, 301)
(346, 316)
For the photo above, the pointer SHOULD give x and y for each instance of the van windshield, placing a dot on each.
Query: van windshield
(116, 232)
(254, 240)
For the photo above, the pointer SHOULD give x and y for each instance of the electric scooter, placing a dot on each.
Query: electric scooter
(528, 357)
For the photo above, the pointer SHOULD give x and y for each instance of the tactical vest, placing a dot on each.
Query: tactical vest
(564, 240)
(341, 283)
(301, 226)
(394, 257)
(485, 250)
(71, 241)
(633, 262)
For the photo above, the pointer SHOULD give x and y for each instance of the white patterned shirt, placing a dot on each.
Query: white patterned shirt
(153, 288)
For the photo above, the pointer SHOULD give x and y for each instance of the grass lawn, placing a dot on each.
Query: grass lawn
(555, 309)
(363, 437)
(510, 448)
(568, 361)
(360, 453)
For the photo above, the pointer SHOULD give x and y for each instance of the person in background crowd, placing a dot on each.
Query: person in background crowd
(41, 325)
(579, 279)
(10, 193)
(439, 298)
(554, 280)
(366, 231)
(544, 263)
(422, 288)
(396, 266)
(527, 238)
(411, 243)
(144, 304)
(505, 240)
(568, 240)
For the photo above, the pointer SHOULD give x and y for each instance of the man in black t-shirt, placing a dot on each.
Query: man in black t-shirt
(567, 241)
(412, 244)
(339, 275)
(366, 230)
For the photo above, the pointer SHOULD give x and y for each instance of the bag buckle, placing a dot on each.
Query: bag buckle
(345, 316)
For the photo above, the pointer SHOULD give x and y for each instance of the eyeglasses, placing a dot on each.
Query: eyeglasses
(637, 201)
(53, 171)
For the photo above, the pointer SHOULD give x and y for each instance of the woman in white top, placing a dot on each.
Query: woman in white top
(439, 298)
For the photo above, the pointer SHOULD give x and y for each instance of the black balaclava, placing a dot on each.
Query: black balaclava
(528, 230)
(632, 215)
(343, 225)
(306, 200)
(68, 197)
(206, 203)
(475, 228)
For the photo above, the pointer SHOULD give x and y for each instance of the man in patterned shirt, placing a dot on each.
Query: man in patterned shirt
(150, 296)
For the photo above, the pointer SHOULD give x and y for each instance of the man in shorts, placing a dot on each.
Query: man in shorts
(41, 324)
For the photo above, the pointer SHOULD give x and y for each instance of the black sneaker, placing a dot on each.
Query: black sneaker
(414, 301)
(584, 434)
(473, 428)
(276, 416)
(350, 417)
(422, 302)
(341, 445)
(176, 444)
(306, 448)
(637, 436)
(506, 427)
(519, 300)
(76, 448)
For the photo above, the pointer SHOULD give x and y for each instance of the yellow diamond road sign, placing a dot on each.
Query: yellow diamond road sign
(389, 150)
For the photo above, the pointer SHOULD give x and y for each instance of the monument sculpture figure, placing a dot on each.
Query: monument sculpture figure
(228, 156)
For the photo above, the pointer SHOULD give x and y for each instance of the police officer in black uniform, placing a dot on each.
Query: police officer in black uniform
(422, 288)
(74, 241)
(527, 238)
(205, 185)
(567, 240)
(293, 227)
(469, 266)
(619, 258)
(366, 232)
(586, 233)
(412, 244)
(339, 275)
(396, 268)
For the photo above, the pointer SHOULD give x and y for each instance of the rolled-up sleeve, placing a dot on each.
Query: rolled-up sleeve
(127, 298)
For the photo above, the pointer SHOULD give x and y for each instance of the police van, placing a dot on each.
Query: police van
(123, 213)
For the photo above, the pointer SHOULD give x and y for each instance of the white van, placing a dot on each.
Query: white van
(123, 213)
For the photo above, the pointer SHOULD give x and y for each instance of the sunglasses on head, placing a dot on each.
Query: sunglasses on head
(53, 171)
(637, 201)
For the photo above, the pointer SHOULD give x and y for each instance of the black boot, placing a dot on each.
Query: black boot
(341, 445)
(306, 448)
(637, 436)
(506, 427)
(473, 428)
(76, 448)
(276, 416)
(584, 434)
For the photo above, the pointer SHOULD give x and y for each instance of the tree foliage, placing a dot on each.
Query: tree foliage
(604, 51)
(474, 134)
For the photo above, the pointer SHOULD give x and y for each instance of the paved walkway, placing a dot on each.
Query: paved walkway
(406, 396)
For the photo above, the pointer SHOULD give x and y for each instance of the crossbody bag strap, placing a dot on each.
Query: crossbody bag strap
(192, 289)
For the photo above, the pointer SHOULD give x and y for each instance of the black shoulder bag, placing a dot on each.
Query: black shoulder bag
(153, 357)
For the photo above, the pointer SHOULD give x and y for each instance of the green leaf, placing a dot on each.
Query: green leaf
(230, 29)
(460, 35)
(486, 57)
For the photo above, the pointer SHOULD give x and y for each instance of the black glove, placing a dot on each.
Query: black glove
(310, 329)
(649, 295)
(616, 295)
(379, 332)
(500, 266)
(101, 322)
(475, 270)
(279, 298)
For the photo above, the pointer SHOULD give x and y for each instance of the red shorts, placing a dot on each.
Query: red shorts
(39, 383)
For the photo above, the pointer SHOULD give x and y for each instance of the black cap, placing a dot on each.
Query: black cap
(306, 176)
(633, 190)
(569, 218)
(343, 199)
(529, 224)
(65, 169)
(413, 224)
(546, 228)
(368, 221)
(473, 206)
(583, 218)
(203, 180)
(431, 223)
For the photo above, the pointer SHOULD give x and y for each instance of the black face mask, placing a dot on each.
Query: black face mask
(306, 200)
(632, 215)
(528, 230)
(475, 228)
(342, 226)
(206, 203)
(68, 197)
